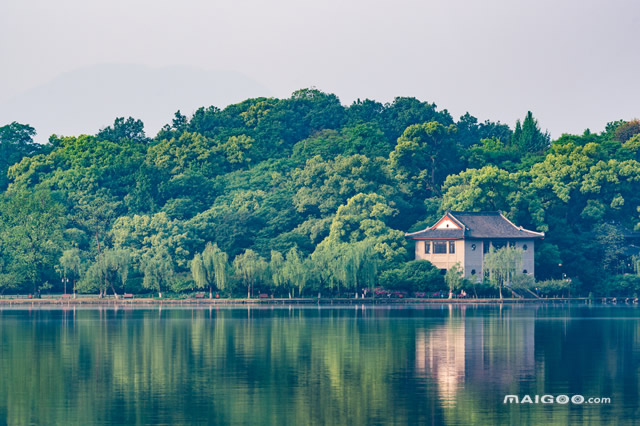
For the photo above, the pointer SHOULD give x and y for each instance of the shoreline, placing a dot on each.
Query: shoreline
(143, 302)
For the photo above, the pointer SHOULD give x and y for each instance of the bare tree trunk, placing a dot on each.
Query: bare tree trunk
(114, 291)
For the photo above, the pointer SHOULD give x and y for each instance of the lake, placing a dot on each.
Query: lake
(320, 365)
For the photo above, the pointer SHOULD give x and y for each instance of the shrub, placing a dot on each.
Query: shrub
(417, 275)
(619, 285)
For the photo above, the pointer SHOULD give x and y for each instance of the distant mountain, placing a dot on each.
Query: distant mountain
(87, 99)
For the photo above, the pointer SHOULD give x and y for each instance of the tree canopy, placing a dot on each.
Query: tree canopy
(302, 193)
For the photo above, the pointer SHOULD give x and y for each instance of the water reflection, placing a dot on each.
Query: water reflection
(442, 364)
(472, 349)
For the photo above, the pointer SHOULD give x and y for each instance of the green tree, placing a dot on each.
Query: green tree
(295, 271)
(110, 268)
(500, 266)
(276, 271)
(487, 189)
(157, 267)
(16, 142)
(453, 278)
(348, 266)
(416, 275)
(611, 241)
(123, 131)
(528, 137)
(251, 268)
(31, 239)
(70, 266)
(424, 155)
(210, 268)
(363, 218)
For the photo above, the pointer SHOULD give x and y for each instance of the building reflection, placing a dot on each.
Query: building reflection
(472, 349)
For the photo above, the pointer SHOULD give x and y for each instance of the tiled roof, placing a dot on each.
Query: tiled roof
(449, 234)
(478, 225)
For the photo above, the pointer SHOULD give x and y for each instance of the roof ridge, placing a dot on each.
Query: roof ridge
(485, 213)
(520, 227)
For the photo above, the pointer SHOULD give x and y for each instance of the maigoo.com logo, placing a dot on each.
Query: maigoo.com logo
(550, 399)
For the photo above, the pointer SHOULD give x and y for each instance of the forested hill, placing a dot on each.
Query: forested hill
(300, 182)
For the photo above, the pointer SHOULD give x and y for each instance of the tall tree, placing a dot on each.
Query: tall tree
(69, 266)
(500, 266)
(16, 142)
(210, 268)
(31, 239)
(110, 268)
(129, 130)
(158, 270)
(251, 268)
(453, 278)
(424, 155)
(295, 272)
(528, 137)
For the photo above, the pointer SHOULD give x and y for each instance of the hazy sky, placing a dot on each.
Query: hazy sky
(575, 64)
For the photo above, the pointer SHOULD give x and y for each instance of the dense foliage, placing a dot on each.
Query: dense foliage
(303, 196)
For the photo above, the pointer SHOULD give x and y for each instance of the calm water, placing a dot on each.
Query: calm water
(298, 366)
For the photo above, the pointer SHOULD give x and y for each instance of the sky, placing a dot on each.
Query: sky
(573, 63)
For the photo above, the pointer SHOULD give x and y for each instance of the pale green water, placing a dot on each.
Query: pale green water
(298, 366)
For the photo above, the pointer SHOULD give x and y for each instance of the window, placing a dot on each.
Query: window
(497, 245)
(524, 271)
(439, 247)
(473, 247)
(473, 272)
(524, 247)
(452, 246)
(485, 247)
(427, 247)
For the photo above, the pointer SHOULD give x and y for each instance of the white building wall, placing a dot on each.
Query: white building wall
(528, 257)
(472, 259)
(441, 260)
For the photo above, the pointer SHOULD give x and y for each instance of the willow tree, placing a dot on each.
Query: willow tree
(349, 266)
(276, 270)
(69, 266)
(296, 271)
(209, 268)
(158, 270)
(453, 278)
(251, 267)
(502, 265)
(110, 268)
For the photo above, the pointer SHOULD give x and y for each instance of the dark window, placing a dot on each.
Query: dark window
(485, 247)
(473, 272)
(452, 246)
(427, 247)
(439, 247)
(497, 245)
(524, 271)
(473, 247)
(524, 247)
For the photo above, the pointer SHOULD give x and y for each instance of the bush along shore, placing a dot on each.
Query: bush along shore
(304, 195)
